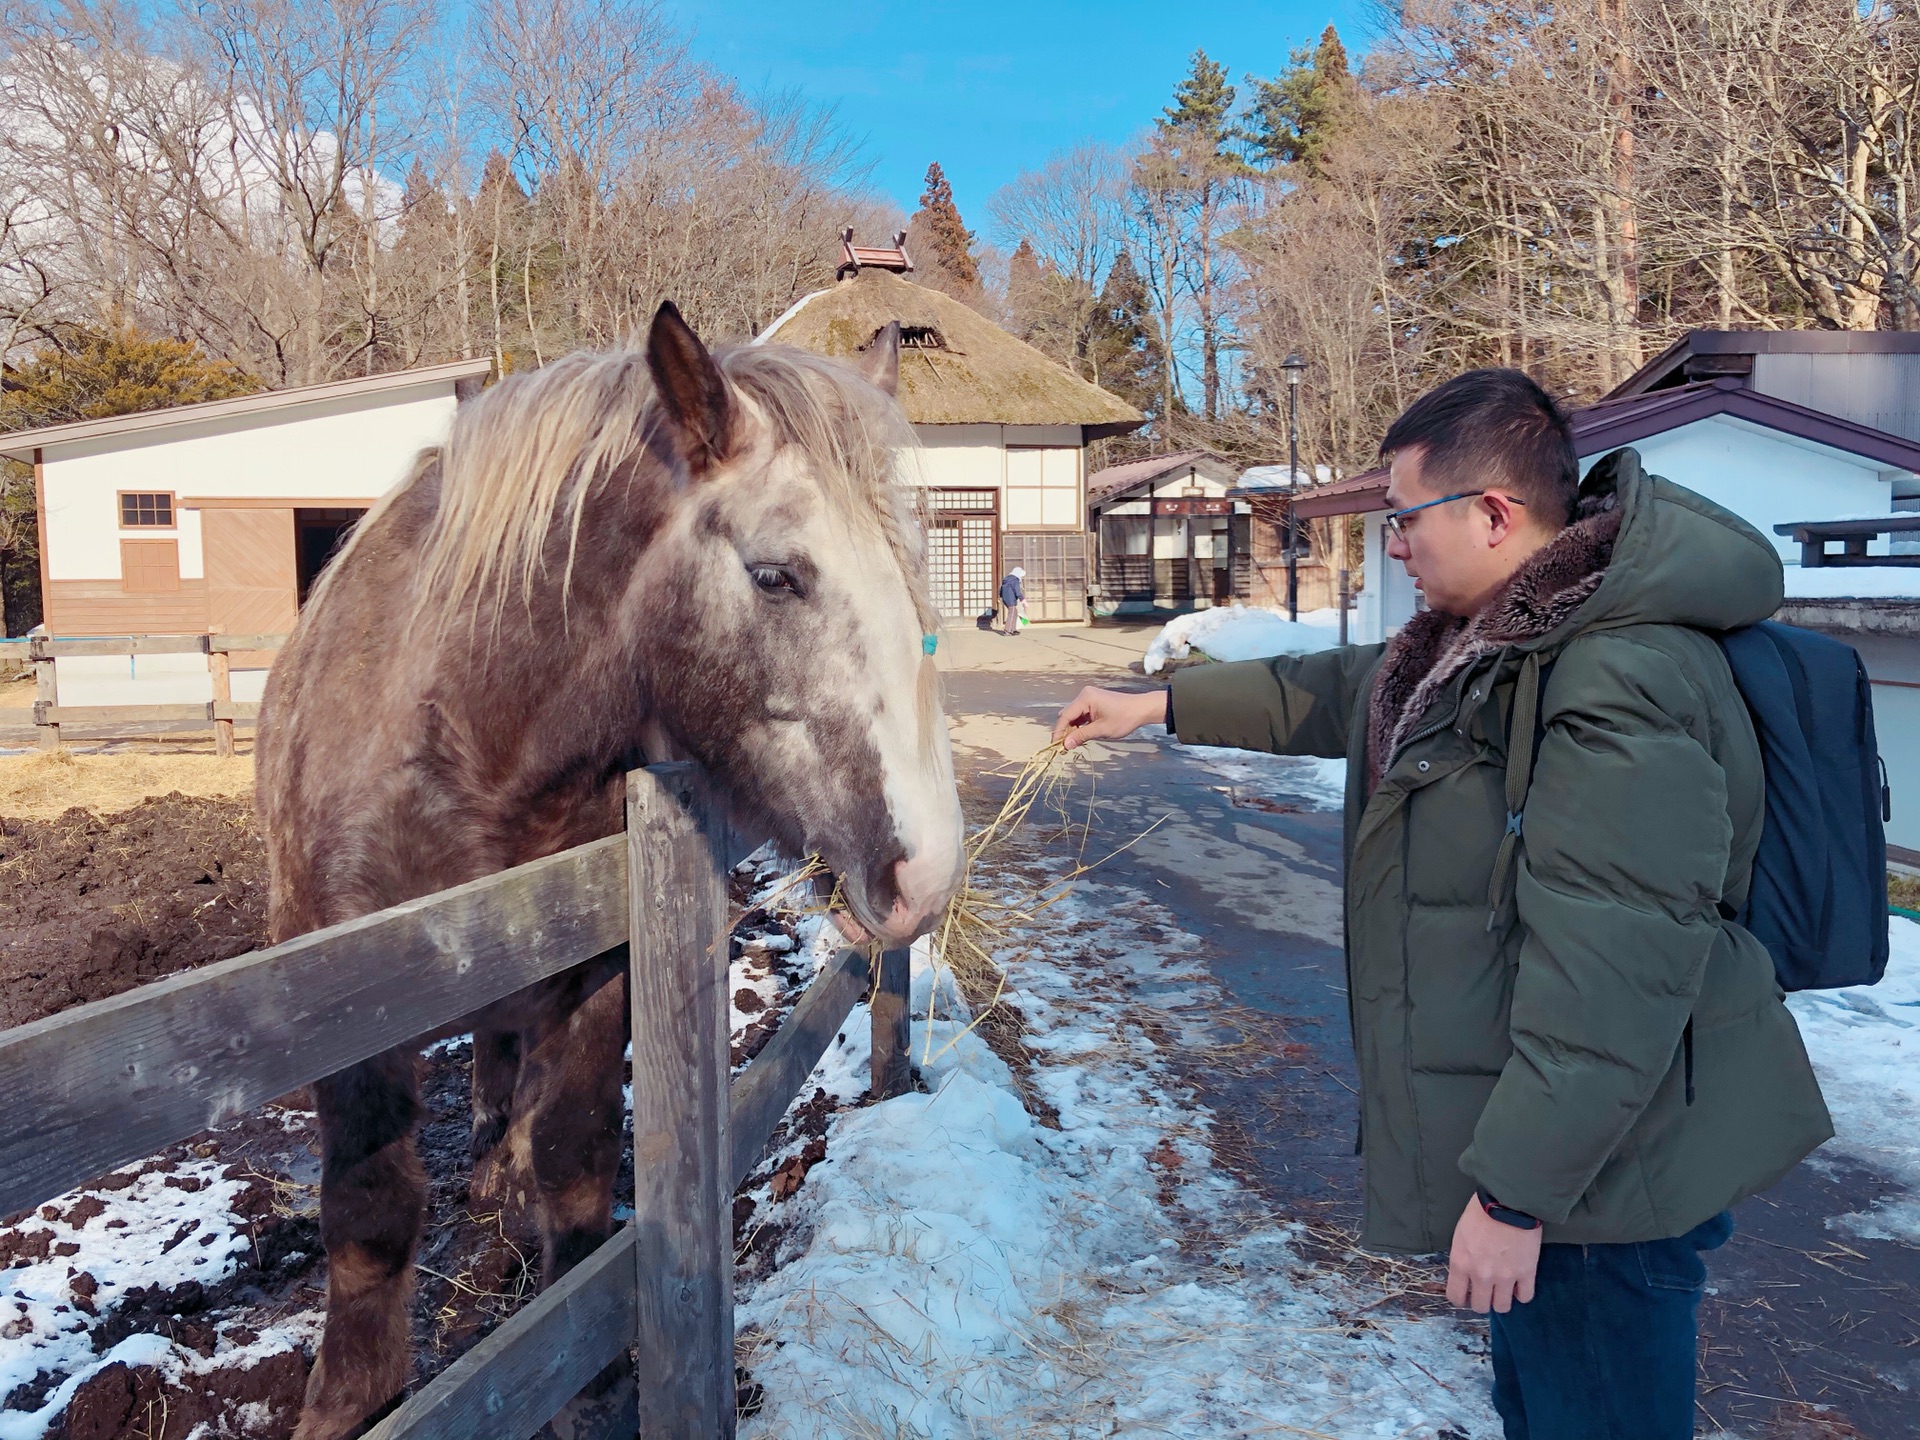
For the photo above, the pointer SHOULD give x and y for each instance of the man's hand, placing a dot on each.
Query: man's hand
(1108, 715)
(1492, 1265)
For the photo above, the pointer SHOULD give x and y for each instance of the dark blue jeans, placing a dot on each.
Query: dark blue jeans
(1605, 1349)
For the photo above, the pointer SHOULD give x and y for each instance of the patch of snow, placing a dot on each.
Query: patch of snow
(1241, 632)
(1319, 784)
(161, 1235)
(1865, 1046)
(963, 1270)
(1853, 582)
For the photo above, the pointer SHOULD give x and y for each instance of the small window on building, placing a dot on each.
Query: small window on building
(150, 567)
(146, 508)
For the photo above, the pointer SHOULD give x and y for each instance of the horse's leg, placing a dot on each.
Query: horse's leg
(570, 1095)
(496, 1070)
(373, 1198)
(570, 1092)
(499, 1142)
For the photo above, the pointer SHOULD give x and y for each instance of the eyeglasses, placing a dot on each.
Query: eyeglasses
(1397, 519)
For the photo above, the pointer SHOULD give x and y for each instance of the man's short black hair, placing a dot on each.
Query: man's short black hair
(1495, 428)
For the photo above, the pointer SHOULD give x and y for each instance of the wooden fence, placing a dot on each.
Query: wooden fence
(109, 1083)
(49, 714)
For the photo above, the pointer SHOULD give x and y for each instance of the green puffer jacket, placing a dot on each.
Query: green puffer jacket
(1521, 1019)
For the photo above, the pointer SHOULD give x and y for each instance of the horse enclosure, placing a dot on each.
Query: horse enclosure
(110, 1082)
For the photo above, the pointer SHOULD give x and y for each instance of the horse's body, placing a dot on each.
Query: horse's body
(613, 560)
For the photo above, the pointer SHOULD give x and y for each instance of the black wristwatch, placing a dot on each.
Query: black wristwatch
(1505, 1214)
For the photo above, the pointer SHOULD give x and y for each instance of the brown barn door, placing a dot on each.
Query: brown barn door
(252, 570)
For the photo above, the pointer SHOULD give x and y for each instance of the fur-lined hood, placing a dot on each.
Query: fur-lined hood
(1640, 550)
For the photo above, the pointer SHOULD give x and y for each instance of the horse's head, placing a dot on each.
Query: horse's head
(793, 635)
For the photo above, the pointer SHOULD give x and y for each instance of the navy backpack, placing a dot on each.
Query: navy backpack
(1819, 896)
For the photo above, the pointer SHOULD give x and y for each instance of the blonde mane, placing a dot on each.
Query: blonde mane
(525, 456)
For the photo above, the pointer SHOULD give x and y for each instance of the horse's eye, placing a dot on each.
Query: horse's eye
(772, 579)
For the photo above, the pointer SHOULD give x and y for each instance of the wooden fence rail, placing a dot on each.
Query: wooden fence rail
(220, 712)
(110, 1082)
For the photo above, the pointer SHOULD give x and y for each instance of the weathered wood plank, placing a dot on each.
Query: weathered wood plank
(220, 672)
(106, 1083)
(231, 710)
(46, 690)
(230, 643)
(516, 1379)
(768, 1086)
(682, 1196)
(45, 713)
(892, 1069)
(56, 648)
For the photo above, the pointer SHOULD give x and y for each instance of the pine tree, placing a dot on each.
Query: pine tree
(941, 235)
(1202, 103)
(1293, 118)
(85, 374)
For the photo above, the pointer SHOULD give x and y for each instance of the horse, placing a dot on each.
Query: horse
(620, 558)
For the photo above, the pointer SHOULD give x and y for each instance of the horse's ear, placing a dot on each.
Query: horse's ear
(883, 360)
(692, 389)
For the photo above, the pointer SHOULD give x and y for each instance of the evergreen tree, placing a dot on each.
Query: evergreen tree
(1294, 117)
(85, 374)
(945, 243)
(1026, 292)
(1125, 352)
(1202, 104)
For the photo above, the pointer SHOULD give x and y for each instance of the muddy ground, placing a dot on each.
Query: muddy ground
(97, 905)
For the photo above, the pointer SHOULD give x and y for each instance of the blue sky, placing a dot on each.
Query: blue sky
(993, 87)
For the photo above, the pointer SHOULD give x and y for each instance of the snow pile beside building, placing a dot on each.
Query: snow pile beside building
(957, 1268)
(1853, 582)
(1241, 632)
(1865, 1044)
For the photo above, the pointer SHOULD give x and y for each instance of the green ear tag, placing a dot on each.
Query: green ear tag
(929, 644)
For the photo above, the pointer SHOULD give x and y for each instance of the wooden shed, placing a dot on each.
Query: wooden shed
(214, 517)
(1003, 432)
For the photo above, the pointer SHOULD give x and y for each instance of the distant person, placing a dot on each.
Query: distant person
(1572, 1062)
(1013, 594)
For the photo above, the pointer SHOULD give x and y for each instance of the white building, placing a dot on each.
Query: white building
(214, 517)
(1003, 432)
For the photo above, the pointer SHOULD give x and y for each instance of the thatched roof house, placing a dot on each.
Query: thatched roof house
(1003, 431)
(956, 367)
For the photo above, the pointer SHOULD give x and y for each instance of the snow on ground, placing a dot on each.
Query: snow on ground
(1865, 1044)
(172, 1224)
(1241, 632)
(1308, 780)
(959, 1269)
(1853, 582)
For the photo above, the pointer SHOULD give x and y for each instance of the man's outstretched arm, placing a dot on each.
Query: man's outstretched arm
(1289, 705)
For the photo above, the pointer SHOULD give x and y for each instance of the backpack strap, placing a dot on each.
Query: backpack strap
(1524, 721)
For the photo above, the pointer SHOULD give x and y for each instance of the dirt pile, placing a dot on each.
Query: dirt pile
(96, 905)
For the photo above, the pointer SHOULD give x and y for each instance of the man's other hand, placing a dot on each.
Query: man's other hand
(1492, 1265)
(1108, 715)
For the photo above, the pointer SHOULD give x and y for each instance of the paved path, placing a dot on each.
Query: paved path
(1804, 1337)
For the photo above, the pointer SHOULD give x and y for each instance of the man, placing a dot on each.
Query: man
(1013, 590)
(1553, 799)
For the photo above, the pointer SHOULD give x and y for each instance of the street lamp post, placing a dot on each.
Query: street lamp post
(1295, 367)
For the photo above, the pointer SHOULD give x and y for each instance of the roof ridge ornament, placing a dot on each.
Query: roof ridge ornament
(855, 258)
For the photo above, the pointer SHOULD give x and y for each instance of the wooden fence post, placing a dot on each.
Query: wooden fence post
(683, 1195)
(892, 1072)
(46, 690)
(220, 667)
